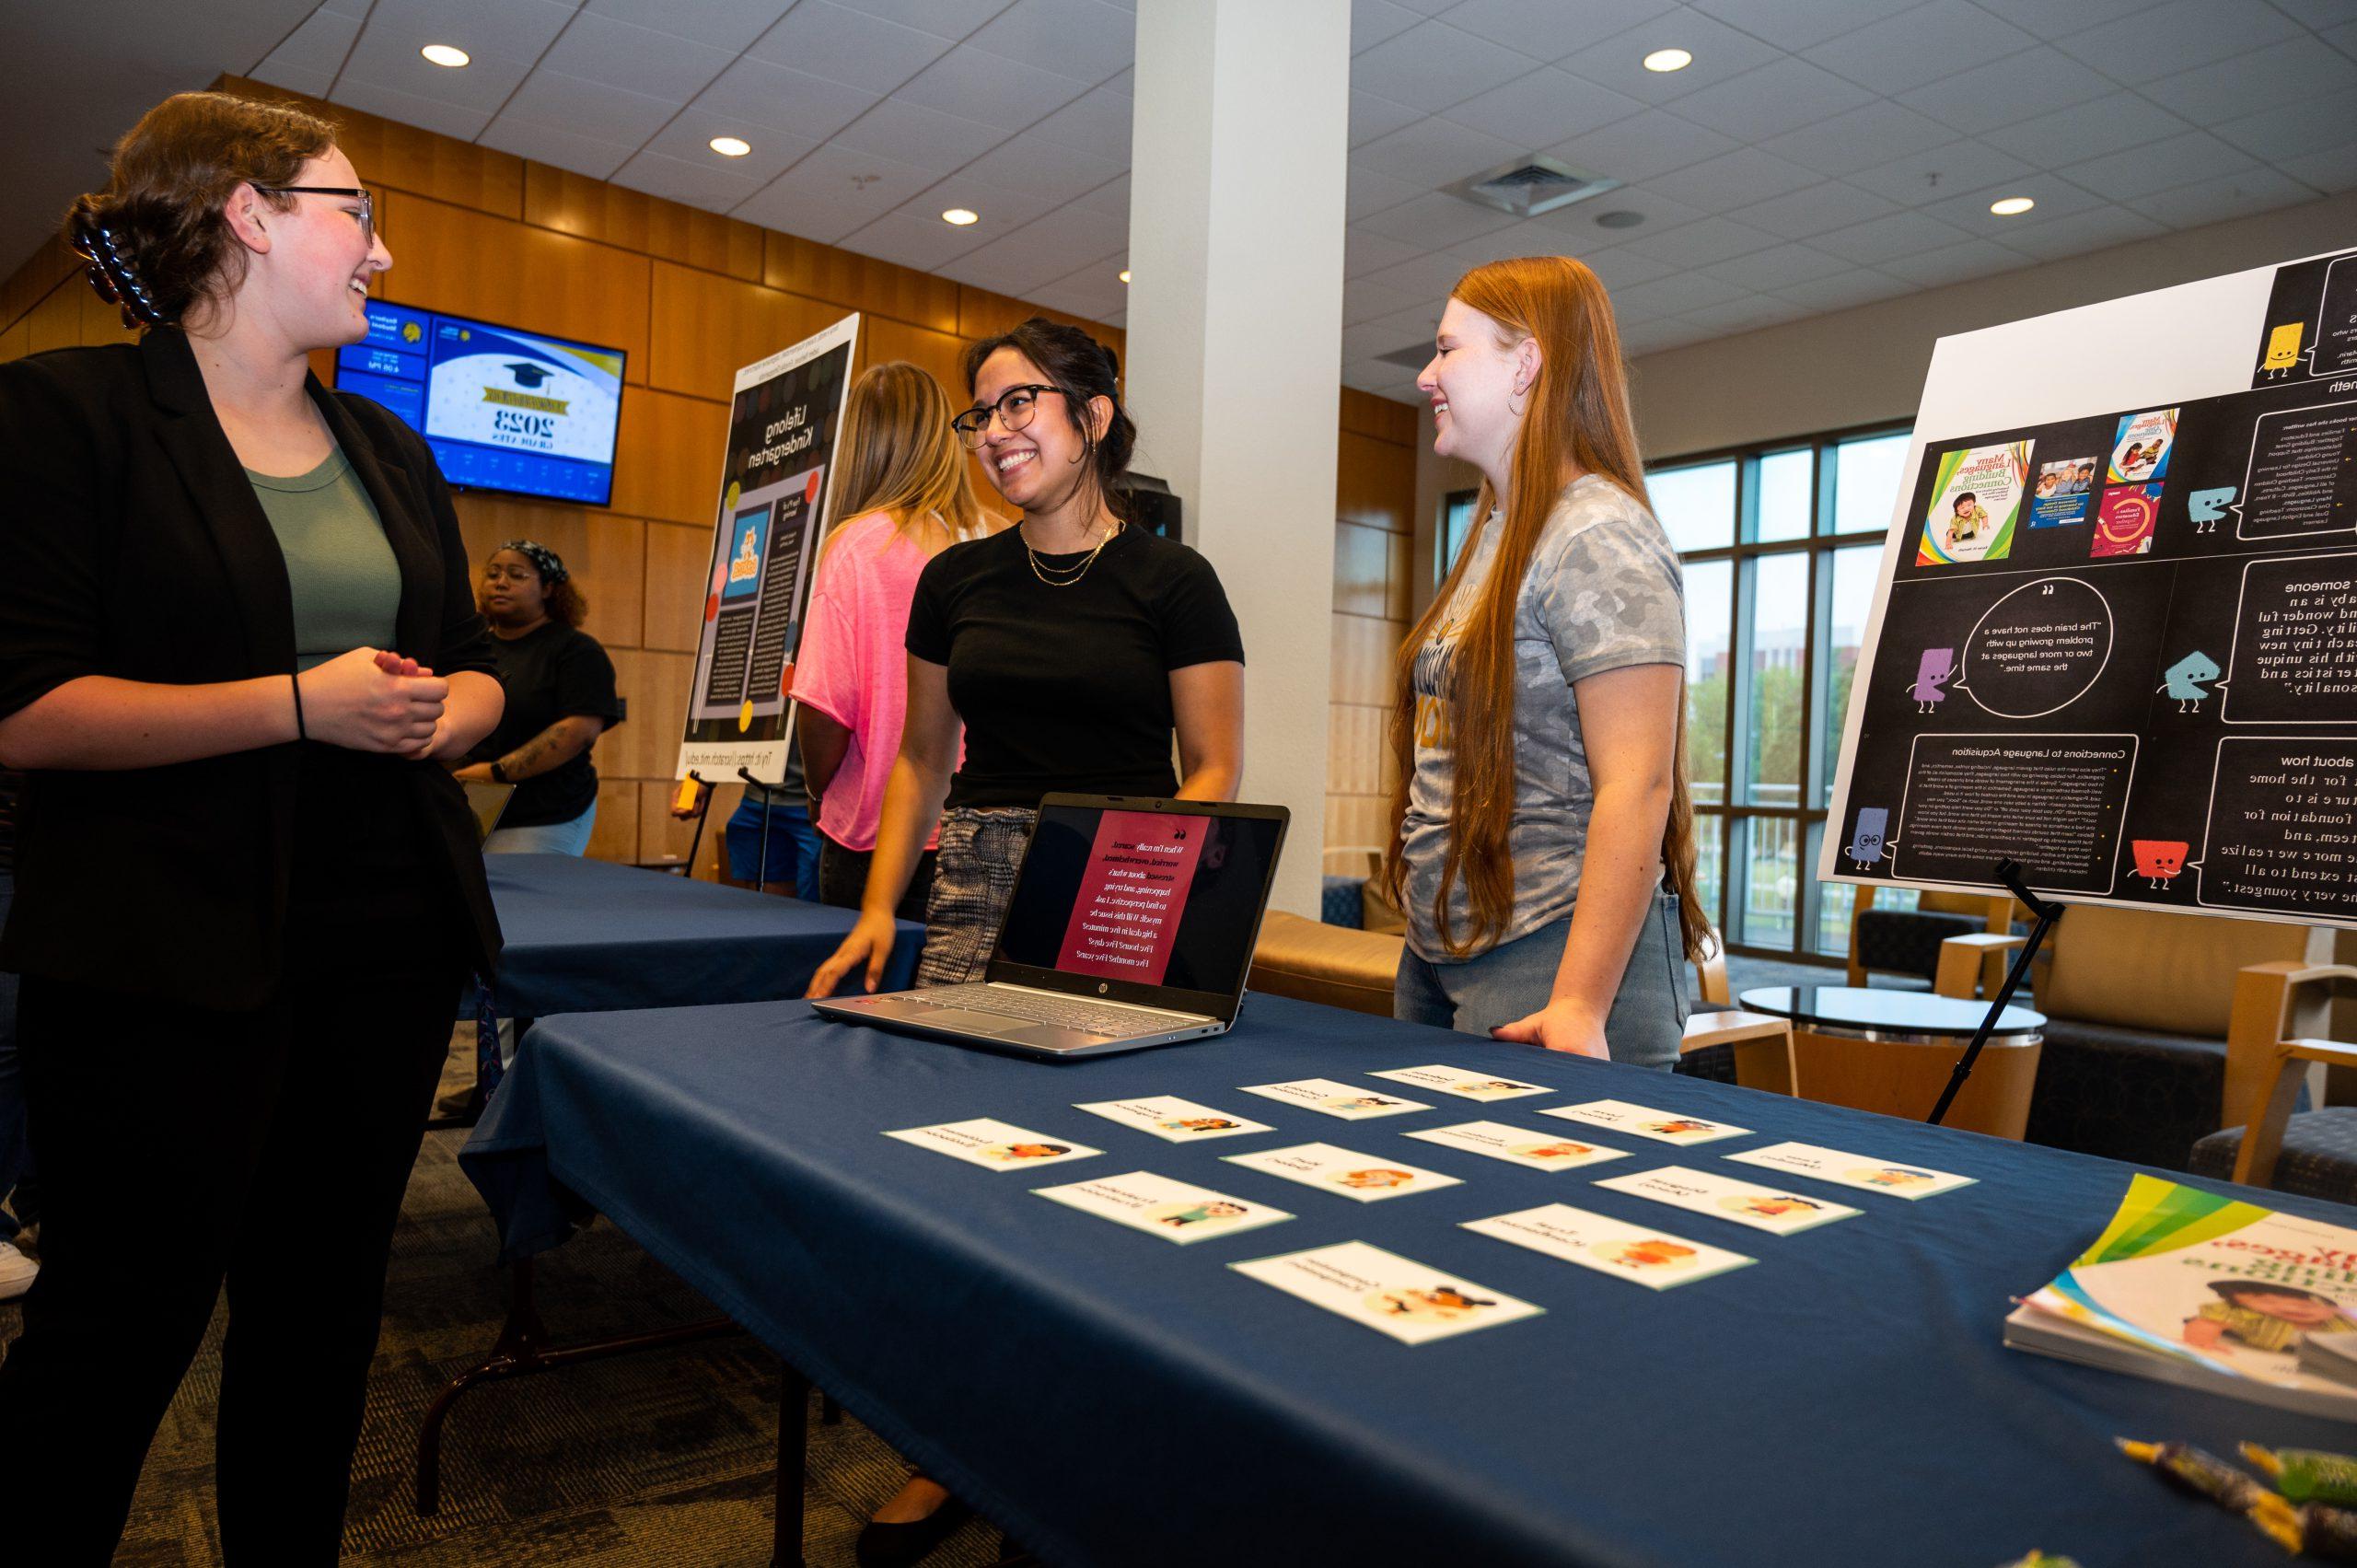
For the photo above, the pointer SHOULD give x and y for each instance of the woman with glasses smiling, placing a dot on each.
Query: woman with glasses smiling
(236, 646)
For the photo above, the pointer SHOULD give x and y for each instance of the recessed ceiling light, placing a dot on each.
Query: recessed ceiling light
(446, 54)
(1125, 275)
(1668, 60)
(2010, 206)
(730, 146)
(961, 216)
(1620, 217)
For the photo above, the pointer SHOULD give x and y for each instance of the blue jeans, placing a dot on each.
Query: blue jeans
(15, 1153)
(1648, 1017)
(553, 838)
(793, 847)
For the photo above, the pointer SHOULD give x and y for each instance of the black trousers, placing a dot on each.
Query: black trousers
(843, 879)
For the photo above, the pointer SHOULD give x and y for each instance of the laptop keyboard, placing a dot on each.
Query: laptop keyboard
(1063, 1012)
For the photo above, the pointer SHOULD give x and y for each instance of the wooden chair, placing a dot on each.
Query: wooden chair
(1904, 1078)
(2275, 1053)
(1762, 1046)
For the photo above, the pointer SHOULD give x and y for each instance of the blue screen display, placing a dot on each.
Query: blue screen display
(502, 410)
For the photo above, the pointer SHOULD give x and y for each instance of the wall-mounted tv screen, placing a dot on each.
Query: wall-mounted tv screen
(502, 410)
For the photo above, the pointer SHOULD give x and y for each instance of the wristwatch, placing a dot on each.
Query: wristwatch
(499, 774)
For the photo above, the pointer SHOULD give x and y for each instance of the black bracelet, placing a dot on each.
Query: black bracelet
(300, 733)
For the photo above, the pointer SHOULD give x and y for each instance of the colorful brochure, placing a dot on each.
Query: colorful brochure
(1389, 1293)
(1662, 1126)
(1723, 1197)
(1608, 1246)
(1328, 1098)
(1853, 1170)
(1364, 1177)
(1173, 1120)
(1175, 1211)
(999, 1145)
(1464, 1084)
(2140, 450)
(1518, 1146)
(1975, 501)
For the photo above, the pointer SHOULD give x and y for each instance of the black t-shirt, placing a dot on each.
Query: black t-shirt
(1067, 688)
(551, 672)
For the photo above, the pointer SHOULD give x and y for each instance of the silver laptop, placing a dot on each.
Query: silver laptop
(1131, 924)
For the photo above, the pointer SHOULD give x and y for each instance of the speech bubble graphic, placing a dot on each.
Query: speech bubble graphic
(2038, 649)
(2295, 656)
(1866, 838)
(2189, 679)
(2301, 478)
(2159, 861)
(1933, 672)
(2205, 507)
(2282, 834)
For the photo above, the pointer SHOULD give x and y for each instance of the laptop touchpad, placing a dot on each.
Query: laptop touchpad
(1047, 1037)
(965, 1018)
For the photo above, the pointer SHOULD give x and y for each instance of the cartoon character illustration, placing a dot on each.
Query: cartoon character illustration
(1216, 1209)
(1557, 1151)
(2159, 861)
(1374, 1180)
(2264, 1315)
(1361, 1102)
(1933, 672)
(1011, 1152)
(2205, 507)
(1676, 1127)
(2188, 679)
(1495, 1087)
(1866, 839)
(1651, 1253)
(1197, 1124)
(1768, 1206)
(2282, 349)
(1442, 1303)
(1892, 1175)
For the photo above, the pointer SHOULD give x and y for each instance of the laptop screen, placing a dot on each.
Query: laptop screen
(1161, 899)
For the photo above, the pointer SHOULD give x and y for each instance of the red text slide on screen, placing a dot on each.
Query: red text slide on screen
(1131, 894)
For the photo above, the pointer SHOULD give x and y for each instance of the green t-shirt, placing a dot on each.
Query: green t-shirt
(346, 584)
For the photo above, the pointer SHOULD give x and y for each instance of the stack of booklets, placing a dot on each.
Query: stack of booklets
(2186, 1286)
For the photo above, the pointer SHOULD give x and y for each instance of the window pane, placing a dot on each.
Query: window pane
(1696, 506)
(1866, 477)
(1708, 621)
(1854, 570)
(1834, 902)
(1457, 522)
(1779, 639)
(1709, 867)
(1771, 884)
(1785, 480)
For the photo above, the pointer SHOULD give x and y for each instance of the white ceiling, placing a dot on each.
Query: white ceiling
(1818, 154)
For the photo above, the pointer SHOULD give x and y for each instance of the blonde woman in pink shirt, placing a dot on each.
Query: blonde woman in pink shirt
(905, 488)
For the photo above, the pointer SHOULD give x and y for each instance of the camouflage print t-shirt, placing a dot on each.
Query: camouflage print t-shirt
(1603, 593)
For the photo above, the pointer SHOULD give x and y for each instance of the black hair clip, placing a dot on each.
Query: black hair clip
(112, 277)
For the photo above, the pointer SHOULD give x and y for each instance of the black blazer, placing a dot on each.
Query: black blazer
(132, 545)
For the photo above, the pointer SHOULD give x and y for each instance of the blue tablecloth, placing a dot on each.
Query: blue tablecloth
(588, 936)
(1111, 1398)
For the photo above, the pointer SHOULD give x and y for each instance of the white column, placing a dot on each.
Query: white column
(1234, 325)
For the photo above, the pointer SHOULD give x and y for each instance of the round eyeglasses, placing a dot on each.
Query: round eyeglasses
(1014, 408)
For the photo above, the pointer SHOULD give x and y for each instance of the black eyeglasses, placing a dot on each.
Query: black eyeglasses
(367, 206)
(1014, 408)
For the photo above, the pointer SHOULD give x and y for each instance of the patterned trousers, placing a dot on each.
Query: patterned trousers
(972, 880)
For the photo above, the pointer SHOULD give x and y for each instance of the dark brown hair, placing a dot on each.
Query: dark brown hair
(565, 603)
(154, 240)
(1080, 367)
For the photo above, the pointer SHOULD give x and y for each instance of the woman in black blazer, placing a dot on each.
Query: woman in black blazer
(238, 646)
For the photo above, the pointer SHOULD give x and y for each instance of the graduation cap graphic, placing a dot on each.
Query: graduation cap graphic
(528, 375)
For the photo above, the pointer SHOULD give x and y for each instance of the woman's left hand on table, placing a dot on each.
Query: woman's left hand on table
(1566, 1025)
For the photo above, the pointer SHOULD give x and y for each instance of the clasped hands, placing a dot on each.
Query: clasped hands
(374, 700)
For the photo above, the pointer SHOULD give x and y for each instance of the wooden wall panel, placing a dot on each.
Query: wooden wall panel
(101, 322)
(614, 215)
(859, 283)
(1364, 649)
(707, 328)
(49, 264)
(387, 152)
(1375, 484)
(1364, 413)
(655, 685)
(1399, 557)
(56, 321)
(1361, 565)
(677, 559)
(660, 834)
(981, 313)
(667, 457)
(15, 341)
(540, 281)
(1355, 749)
(1356, 821)
(614, 835)
(606, 555)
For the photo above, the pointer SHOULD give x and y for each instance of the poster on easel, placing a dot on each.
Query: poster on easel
(2115, 634)
(775, 488)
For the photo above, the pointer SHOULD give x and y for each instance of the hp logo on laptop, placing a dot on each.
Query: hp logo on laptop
(1101, 988)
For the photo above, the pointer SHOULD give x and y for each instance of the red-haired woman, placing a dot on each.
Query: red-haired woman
(1544, 856)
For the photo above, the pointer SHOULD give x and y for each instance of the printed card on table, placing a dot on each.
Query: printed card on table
(1651, 1257)
(1853, 1170)
(1458, 1081)
(1662, 1126)
(1389, 1293)
(1175, 1211)
(1331, 1099)
(1173, 1120)
(1364, 1177)
(1723, 1197)
(1518, 1146)
(997, 1145)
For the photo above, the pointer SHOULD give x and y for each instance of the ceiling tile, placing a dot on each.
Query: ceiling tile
(1778, 267)
(2160, 165)
(1898, 234)
(945, 18)
(2056, 198)
(1801, 23)
(1366, 340)
(320, 44)
(831, 41)
(1543, 108)
(1622, 268)
(505, 40)
(1032, 164)
(1955, 263)
(2097, 228)
(1873, 135)
(587, 109)
(1074, 235)
(2056, 18)
(2005, 92)
(425, 113)
(689, 139)
(1097, 124)
(833, 191)
(1674, 295)
(1731, 180)
(2294, 70)
(1094, 293)
(1549, 30)
(1001, 210)
(2343, 38)
(1923, 45)
(991, 88)
(311, 81)
(697, 184)
(1364, 299)
(1844, 290)
(550, 145)
(1703, 242)
(720, 24)
(1780, 96)
(2178, 37)
(1372, 21)
(1941, 171)
(1642, 145)
(1113, 196)
(1816, 210)
(1433, 153)
(1521, 239)
(1426, 277)
(2297, 127)
(2332, 170)
(1367, 192)
(2225, 196)
(926, 244)
(1436, 220)
(1372, 117)
(754, 92)
(1719, 52)
(2086, 130)
(921, 137)
(1071, 38)
(1660, 213)
(1744, 314)
(656, 64)
(1433, 65)
(2317, 14)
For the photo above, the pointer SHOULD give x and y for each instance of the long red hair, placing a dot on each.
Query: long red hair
(1578, 413)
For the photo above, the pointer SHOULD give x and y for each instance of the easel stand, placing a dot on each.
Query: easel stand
(2008, 872)
(768, 794)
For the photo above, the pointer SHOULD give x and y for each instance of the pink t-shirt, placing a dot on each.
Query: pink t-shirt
(852, 667)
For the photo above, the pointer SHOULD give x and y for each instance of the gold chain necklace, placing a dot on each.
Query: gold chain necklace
(1068, 575)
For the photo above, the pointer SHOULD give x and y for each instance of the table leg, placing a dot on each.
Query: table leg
(793, 1461)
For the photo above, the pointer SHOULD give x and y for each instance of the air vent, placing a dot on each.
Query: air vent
(1530, 186)
(1413, 358)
